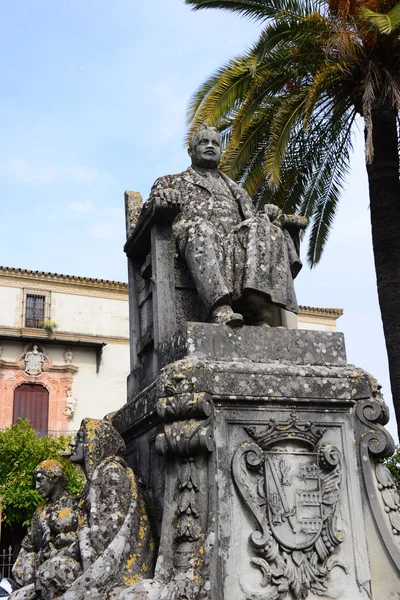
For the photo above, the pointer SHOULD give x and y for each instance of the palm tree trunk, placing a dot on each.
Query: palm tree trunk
(384, 191)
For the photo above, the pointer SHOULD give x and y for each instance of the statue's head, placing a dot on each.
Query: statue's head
(96, 440)
(49, 478)
(205, 147)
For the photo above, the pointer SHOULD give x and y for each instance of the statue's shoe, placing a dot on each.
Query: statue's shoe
(224, 314)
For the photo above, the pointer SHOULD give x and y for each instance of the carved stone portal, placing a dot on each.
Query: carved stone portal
(291, 483)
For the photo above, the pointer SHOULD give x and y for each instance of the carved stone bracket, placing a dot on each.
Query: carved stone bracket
(375, 444)
(293, 493)
(186, 442)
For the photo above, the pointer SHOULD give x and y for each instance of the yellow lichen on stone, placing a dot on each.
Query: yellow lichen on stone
(49, 464)
(131, 579)
(131, 560)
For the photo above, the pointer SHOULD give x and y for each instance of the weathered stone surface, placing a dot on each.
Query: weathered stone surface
(74, 551)
(133, 207)
(115, 540)
(256, 344)
(49, 558)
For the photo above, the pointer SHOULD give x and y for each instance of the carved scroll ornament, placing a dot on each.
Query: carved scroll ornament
(375, 444)
(187, 440)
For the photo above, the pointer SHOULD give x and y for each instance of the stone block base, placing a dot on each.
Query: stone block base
(262, 452)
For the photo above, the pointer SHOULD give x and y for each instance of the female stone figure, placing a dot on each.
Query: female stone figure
(51, 544)
(115, 541)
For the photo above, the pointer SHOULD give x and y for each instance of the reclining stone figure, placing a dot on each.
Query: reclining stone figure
(242, 262)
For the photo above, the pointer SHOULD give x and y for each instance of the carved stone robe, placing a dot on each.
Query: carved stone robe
(229, 247)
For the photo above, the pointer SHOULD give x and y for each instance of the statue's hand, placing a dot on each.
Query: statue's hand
(273, 211)
(168, 197)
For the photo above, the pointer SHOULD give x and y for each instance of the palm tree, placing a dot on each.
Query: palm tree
(286, 109)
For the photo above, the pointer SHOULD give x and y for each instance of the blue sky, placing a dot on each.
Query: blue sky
(93, 102)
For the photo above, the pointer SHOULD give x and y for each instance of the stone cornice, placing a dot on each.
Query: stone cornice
(62, 337)
(323, 312)
(69, 284)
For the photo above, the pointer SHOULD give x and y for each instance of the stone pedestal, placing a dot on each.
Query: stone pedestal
(261, 452)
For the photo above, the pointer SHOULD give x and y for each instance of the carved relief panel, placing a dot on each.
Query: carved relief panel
(290, 510)
(293, 491)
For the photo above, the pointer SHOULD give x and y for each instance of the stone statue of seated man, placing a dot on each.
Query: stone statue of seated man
(48, 561)
(242, 262)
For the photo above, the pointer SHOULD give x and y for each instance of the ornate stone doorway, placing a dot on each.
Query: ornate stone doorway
(33, 380)
(31, 401)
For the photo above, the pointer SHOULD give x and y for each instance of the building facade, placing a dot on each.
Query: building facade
(64, 347)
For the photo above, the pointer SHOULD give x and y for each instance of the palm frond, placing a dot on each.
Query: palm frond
(326, 78)
(220, 93)
(322, 197)
(368, 100)
(237, 158)
(287, 114)
(303, 30)
(385, 23)
(258, 10)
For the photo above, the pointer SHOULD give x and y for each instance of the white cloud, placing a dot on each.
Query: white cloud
(21, 171)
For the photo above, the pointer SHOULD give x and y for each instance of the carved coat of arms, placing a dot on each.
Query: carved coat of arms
(291, 483)
(34, 360)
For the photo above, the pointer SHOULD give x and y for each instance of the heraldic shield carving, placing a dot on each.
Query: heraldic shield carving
(291, 483)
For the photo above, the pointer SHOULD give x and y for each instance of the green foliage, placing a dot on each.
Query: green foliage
(20, 452)
(286, 107)
(393, 464)
(48, 325)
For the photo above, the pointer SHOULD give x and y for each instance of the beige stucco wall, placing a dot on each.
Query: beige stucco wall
(100, 393)
(322, 326)
(87, 314)
(10, 306)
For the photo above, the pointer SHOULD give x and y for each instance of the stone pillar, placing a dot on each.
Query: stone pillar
(269, 479)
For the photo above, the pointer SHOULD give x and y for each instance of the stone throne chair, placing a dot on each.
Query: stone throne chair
(162, 294)
(260, 449)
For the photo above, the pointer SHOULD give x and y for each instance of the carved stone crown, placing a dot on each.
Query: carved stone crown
(292, 429)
